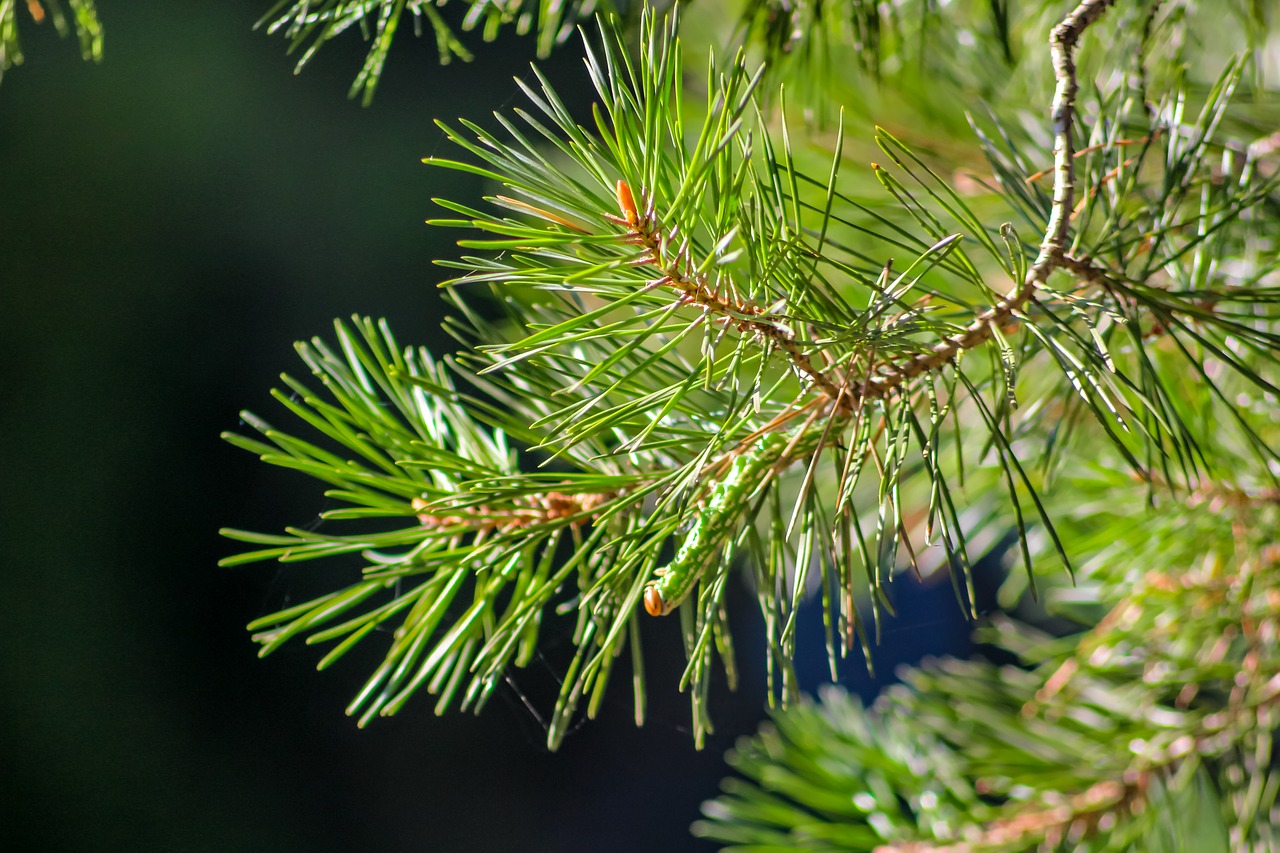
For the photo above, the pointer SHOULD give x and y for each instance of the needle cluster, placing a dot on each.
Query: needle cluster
(702, 343)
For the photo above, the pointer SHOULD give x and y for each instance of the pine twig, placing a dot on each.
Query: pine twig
(1079, 813)
(644, 230)
(541, 508)
(1052, 255)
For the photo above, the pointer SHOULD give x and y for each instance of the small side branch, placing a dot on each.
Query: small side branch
(677, 273)
(1252, 696)
(547, 508)
(644, 231)
(1062, 43)
(1077, 814)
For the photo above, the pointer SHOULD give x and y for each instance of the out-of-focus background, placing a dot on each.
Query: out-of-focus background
(171, 220)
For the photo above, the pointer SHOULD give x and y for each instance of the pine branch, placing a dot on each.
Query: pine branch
(1082, 748)
(481, 528)
(1053, 247)
(728, 366)
(731, 308)
(1096, 743)
(308, 24)
(84, 15)
(541, 508)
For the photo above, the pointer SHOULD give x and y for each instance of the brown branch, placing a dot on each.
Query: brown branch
(677, 273)
(527, 512)
(1090, 149)
(1254, 693)
(1062, 44)
(644, 231)
(1080, 813)
(1220, 496)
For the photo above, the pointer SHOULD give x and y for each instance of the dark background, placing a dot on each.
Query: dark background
(170, 222)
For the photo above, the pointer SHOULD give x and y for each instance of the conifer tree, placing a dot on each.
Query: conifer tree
(877, 288)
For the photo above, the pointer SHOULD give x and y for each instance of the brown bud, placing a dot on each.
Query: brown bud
(653, 603)
(627, 203)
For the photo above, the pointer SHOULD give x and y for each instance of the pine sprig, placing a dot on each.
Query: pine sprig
(308, 24)
(468, 580)
(84, 20)
(715, 345)
(1091, 741)
(704, 216)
